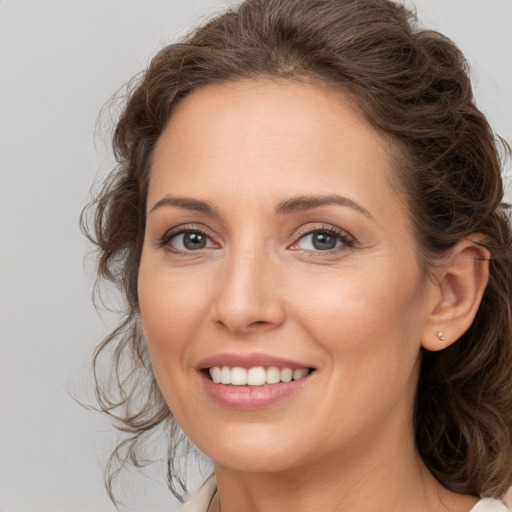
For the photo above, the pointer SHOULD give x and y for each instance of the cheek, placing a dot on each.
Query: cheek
(370, 331)
(172, 312)
(365, 318)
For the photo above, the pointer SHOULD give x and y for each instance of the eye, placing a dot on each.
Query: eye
(322, 240)
(187, 240)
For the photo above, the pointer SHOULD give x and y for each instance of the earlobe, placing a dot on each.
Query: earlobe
(460, 284)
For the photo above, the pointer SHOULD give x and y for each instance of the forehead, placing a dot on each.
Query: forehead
(272, 139)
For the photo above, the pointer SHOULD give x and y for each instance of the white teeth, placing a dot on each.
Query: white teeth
(257, 376)
(238, 376)
(225, 375)
(215, 373)
(273, 375)
(300, 374)
(286, 374)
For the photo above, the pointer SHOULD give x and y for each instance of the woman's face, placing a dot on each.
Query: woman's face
(276, 248)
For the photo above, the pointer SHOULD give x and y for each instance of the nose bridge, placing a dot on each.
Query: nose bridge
(246, 295)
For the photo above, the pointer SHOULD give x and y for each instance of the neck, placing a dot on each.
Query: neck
(378, 477)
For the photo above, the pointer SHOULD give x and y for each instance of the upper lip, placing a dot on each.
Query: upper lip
(249, 361)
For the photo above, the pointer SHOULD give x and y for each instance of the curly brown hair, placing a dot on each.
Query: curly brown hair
(410, 83)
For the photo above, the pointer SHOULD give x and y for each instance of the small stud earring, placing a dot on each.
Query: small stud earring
(440, 336)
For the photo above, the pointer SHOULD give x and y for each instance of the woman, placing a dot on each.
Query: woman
(307, 224)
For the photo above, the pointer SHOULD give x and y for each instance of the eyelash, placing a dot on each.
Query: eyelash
(342, 236)
(346, 240)
(164, 241)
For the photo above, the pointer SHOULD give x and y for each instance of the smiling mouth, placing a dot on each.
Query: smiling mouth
(256, 376)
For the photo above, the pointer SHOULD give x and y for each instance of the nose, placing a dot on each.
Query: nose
(247, 299)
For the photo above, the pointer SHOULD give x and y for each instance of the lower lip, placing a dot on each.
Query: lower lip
(251, 397)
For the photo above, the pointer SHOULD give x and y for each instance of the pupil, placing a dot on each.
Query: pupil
(324, 241)
(194, 241)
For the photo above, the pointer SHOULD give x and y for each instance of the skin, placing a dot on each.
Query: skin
(358, 313)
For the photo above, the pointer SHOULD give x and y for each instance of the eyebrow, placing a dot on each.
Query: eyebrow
(186, 203)
(294, 204)
(301, 203)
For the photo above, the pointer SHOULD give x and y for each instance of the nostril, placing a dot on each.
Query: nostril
(244, 317)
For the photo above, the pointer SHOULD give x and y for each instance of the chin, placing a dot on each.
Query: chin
(254, 450)
(252, 462)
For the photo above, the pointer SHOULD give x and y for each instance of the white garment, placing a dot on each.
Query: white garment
(200, 501)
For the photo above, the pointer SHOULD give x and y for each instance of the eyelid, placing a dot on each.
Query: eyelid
(164, 240)
(346, 238)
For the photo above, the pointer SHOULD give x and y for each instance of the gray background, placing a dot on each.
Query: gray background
(60, 60)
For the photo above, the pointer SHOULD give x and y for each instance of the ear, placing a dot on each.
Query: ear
(458, 288)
